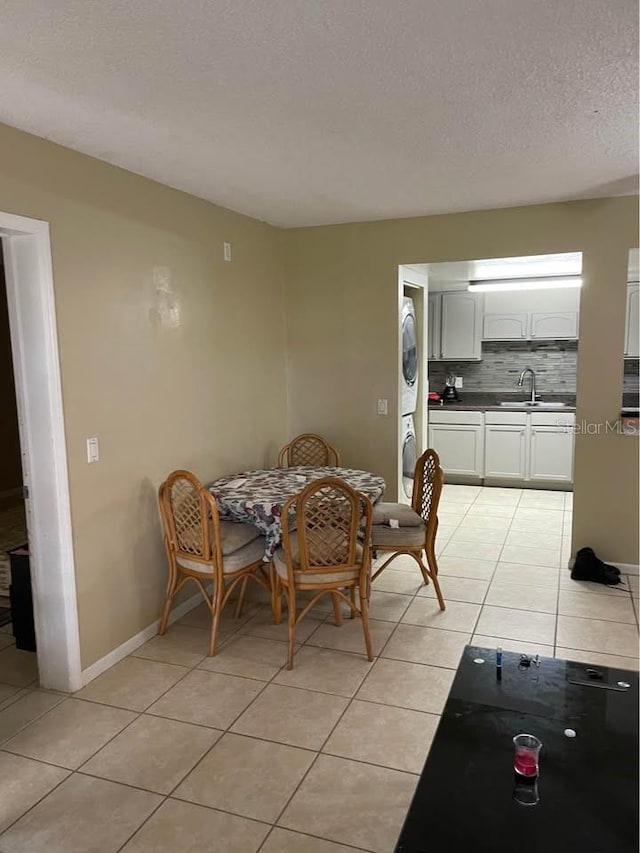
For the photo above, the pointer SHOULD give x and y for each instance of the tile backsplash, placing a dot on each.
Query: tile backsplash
(631, 376)
(554, 363)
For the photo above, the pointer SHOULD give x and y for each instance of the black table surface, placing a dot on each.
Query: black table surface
(588, 784)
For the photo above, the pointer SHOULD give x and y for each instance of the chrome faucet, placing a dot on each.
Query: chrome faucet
(533, 383)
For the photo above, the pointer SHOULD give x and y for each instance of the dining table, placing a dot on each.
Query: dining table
(259, 496)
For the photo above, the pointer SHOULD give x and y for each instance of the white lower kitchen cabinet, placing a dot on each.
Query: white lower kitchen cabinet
(517, 448)
(458, 438)
(460, 448)
(551, 455)
(505, 451)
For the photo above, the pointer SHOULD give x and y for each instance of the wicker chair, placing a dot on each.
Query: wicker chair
(418, 525)
(308, 449)
(205, 550)
(324, 554)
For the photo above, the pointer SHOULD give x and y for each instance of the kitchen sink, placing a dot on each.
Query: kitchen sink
(539, 404)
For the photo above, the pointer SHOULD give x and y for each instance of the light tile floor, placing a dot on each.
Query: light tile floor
(170, 749)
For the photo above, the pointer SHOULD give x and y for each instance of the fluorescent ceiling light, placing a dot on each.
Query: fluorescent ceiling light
(529, 266)
(526, 284)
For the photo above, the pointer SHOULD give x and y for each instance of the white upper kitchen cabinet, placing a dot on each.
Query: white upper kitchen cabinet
(632, 332)
(554, 325)
(531, 315)
(461, 326)
(505, 327)
(434, 311)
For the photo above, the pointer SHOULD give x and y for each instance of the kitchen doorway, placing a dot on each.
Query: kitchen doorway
(500, 350)
(502, 367)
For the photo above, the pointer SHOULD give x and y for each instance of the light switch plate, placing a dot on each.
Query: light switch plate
(227, 251)
(383, 407)
(93, 449)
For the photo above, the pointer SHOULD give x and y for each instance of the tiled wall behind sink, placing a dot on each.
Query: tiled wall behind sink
(631, 376)
(553, 361)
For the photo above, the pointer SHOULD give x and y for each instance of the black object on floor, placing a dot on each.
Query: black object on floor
(5, 616)
(588, 567)
(21, 599)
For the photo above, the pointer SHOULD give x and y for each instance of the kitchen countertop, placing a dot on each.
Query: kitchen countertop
(487, 402)
(476, 401)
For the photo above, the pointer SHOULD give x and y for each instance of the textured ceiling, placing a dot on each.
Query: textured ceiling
(304, 112)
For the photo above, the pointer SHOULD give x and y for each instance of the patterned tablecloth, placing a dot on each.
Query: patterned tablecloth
(258, 496)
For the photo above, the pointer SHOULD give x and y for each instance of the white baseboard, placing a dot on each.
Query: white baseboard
(625, 568)
(133, 643)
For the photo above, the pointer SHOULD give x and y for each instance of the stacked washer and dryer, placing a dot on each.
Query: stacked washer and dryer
(409, 382)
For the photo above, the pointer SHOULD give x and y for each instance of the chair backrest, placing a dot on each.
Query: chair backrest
(190, 518)
(308, 449)
(329, 516)
(428, 479)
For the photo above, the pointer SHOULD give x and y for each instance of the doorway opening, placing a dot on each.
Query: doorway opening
(13, 522)
(38, 398)
(497, 346)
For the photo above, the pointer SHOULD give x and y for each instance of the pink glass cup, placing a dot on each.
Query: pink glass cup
(527, 751)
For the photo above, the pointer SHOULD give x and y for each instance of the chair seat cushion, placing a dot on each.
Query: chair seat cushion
(252, 552)
(403, 514)
(280, 563)
(400, 537)
(235, 534)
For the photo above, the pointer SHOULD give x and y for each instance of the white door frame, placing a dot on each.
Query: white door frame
(34, 342)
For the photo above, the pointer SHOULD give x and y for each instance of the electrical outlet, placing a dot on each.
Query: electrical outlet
(227, 251)
(458, 381)
(383, 407)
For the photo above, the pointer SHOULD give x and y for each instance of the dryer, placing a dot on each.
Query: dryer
(410, 361)
(409, 457)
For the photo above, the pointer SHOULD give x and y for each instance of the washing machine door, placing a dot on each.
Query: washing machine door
(409, 349)
(409, 459)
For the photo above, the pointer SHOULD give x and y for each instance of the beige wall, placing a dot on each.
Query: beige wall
(207, 394)
(343, 338)
(212, 392)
